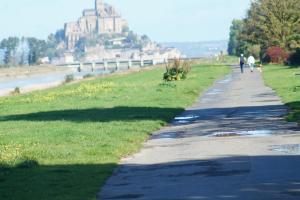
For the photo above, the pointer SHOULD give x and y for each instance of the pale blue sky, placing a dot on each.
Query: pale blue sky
(162, 20)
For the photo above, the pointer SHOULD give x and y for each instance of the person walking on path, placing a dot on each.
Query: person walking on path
(251, 62)
(242, 62)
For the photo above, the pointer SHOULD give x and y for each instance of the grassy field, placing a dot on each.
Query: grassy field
(284, 81)
(226, 60)
(63, 143)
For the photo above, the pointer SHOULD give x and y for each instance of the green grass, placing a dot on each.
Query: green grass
(283, 80)
(63, 143)
(226, 60)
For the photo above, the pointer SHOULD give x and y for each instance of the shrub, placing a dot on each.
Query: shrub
(16, 91)
(177, 70)
(276, 55)
(295, 58)
(89, 76)
(69, 78)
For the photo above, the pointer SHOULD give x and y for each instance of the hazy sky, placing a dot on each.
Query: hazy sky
(162, 20)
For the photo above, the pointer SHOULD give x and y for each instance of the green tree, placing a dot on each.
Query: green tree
(10, 47)
(145, 38)
(235, 45)
(37, 50)
(254, 50)
(59, 36)
(80, 46)
(52, 44)
(273, 23)
(125, 29)
(132, 38)
(55, 44)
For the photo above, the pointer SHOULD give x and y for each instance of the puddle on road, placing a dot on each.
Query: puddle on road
(185, 119)
(254, 133)
(168, 135)
(182, 122)
(287, 148)
(214, 92)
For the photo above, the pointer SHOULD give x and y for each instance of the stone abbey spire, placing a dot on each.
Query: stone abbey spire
(103, 19)
(99, 6)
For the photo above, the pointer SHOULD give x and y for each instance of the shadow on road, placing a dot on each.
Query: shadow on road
(266, 177)
(206, 121)
(264, 113)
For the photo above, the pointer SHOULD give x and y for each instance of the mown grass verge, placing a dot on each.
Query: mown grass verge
(63, 143)
(287, 85)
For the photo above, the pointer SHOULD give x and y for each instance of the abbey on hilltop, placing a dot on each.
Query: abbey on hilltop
(102, 34)
(102, 20)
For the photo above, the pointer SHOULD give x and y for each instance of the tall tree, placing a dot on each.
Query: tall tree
(10, 47)
(273, 23)
(234, 41)
(60, 35)
(37, 49)
(55, 44)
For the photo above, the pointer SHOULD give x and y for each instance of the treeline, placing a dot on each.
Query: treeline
(30, 50)
(270, 31)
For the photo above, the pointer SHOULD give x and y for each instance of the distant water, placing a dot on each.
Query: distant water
(199, 49)
(6, 86)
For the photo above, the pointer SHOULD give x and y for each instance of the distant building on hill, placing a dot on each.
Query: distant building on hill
(102, 34)
(103, 19)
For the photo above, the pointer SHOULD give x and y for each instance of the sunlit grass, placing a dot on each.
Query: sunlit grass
(287, 85)
(62, 143)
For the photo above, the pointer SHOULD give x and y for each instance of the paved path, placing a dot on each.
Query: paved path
(232, 144)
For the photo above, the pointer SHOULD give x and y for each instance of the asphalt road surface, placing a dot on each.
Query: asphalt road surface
(232, 144)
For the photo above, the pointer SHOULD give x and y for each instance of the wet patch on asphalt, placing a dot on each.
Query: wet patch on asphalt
(254, 133)
(182, 120)
(169, 135)
(214, 92)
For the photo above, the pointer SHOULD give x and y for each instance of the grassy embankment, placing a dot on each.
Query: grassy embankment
(283, 80)
(62, 143)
